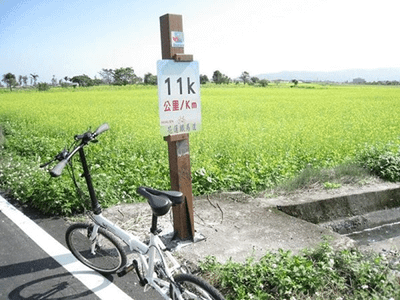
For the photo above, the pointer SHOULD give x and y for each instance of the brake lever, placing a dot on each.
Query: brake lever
(78, 137)
(85, 137)
(46, 164)
(60, 156)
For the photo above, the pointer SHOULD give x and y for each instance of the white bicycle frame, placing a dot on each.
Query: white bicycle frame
(144, 251)
(148, 253)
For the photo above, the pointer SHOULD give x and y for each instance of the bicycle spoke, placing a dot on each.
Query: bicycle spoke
(102, 254)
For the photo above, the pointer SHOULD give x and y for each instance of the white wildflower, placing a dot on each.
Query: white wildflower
(331, 262)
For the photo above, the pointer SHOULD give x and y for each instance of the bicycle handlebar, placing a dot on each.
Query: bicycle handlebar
(101, 129)
(89, 136)
(64, 156)
(57, 170)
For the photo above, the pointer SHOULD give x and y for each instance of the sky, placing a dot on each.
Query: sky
(74, 37)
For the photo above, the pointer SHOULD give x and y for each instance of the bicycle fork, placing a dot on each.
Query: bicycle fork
(93, 238)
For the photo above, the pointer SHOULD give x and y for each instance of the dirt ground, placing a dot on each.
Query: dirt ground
(235, 225)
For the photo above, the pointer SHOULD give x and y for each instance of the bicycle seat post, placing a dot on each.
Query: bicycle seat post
(153, 228)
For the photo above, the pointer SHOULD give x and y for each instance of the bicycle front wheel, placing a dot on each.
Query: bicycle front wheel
(104, 253)
(193, 287)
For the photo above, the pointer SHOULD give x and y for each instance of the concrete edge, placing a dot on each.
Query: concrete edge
(348, 213)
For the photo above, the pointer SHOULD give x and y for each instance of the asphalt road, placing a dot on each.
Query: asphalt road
(35, 263)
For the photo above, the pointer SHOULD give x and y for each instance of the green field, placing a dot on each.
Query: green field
(251, 138)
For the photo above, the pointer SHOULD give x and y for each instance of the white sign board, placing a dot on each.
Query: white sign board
(178, 96)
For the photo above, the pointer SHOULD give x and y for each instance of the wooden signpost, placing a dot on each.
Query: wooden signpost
(180, 113)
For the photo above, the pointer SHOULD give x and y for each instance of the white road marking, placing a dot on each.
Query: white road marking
(102, 287)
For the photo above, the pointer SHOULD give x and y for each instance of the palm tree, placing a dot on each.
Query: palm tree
(34, 76)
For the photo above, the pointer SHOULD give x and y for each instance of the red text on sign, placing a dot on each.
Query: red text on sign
(178, 105)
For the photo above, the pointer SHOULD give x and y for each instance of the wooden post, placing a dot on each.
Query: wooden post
(169, 23)
(178, 145)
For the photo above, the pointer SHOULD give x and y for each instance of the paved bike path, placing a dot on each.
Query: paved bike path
(34, 265)
(28, 272)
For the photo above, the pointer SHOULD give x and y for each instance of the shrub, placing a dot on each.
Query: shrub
(263, 82)
(43, 86)
(383, 161)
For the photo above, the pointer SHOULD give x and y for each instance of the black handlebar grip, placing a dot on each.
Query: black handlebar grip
(57, 170)
(101, 129)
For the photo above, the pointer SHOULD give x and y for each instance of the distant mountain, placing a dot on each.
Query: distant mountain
(382, 74)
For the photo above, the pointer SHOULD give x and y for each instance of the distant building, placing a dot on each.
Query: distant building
(359, 81)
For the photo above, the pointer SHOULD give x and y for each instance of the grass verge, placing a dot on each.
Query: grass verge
(322, 273)
(349, 173)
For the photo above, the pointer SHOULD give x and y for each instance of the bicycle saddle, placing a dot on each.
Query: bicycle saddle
(160, 201)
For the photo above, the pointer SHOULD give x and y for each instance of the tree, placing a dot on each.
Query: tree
(295, 81)
(150, 79)
(124, 76)
(203, 79)
(107, 75)
(219, 78)
(34, 77)
(255, 80)
(9, 80)
(121, 76)
(20, 80)
(263, 82)
(245, 77)
(97, 81)
(82, 80)
(25, 80)
(54, 81)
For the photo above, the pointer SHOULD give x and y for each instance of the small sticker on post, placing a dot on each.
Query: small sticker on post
(177, 39)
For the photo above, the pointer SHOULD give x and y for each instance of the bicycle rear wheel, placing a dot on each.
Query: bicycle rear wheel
(193, 287)
(108, 255)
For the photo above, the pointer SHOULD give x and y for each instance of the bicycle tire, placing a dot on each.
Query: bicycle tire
(110, 255)
(193, 287)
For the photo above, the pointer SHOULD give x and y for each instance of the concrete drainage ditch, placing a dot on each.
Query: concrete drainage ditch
(371, 218)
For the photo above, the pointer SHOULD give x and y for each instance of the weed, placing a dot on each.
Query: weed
(328, 178)
(322, 273)
(330, 185)
(1, 137)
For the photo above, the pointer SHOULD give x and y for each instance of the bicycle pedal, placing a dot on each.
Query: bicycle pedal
(126, 270)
